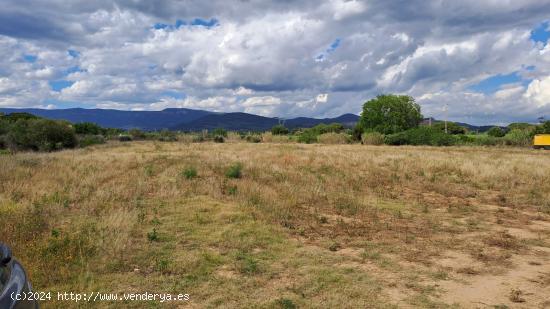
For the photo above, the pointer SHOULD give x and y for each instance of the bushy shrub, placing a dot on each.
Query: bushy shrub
(13, 117)
(372, 138)
(234, 171)
(40, 134)
(219, 139)
(3, 143)
(308, 137)
(327, 128)
(112, 132)
(464, 139)
(189, 172)
(452, 128)
(496, 132)
(220, 131)
(88, 128)
(88, 140)
(517, 137)
(486, 140)
(136, 134)
(279, 130)
(333, 138)
(421, 136)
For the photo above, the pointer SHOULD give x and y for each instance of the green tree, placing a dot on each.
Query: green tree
(279, 130)
(496, 132)
(390, 114)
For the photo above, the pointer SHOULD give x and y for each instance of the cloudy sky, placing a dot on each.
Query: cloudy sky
(487, 60)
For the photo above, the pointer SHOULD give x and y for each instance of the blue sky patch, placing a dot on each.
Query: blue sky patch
(541, 33)
(73, 53)
(74, 70)
(204, 22)
(494, 83)
(159, 26)
(30, 58)
(180, 23)
(57, 85)
(208, 23)
(334, 46)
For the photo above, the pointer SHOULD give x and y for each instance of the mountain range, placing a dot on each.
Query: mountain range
(183, 119)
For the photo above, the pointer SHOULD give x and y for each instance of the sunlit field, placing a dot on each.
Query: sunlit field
(281, 225)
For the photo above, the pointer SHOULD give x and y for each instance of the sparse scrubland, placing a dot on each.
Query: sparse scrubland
(283, 225)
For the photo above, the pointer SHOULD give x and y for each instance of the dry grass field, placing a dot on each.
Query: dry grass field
(305, 226)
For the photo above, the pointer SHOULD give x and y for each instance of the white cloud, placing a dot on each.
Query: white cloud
(347, 8)
(322, 98)
(262, 55)
(539, 92)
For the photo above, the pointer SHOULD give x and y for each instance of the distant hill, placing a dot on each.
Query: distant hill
(111, 118)
(177, 119)
(186, 119)
(471, 128)
(244, 121)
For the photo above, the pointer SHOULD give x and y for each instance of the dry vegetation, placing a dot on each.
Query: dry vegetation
(316, 226)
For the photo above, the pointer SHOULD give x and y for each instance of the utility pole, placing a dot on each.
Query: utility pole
(446, 116)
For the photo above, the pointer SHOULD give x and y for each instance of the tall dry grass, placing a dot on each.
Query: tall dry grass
(86, 213)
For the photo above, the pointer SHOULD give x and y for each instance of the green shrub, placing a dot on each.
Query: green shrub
(87, 128)
(3, 142)
(496, 132)
(40, 134)
(153, 235)
(464, 139)
(279, 130)
(517, 137)
(234, 171)
(372, 138)
(88, 140)
(14, 117)
(247, 264)
(286, 303)
(421, 136)
(189, 172)
(452, 128)
(219, 139)
(136, 134)
(308, 137)
(486, 140)
(220, 131)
